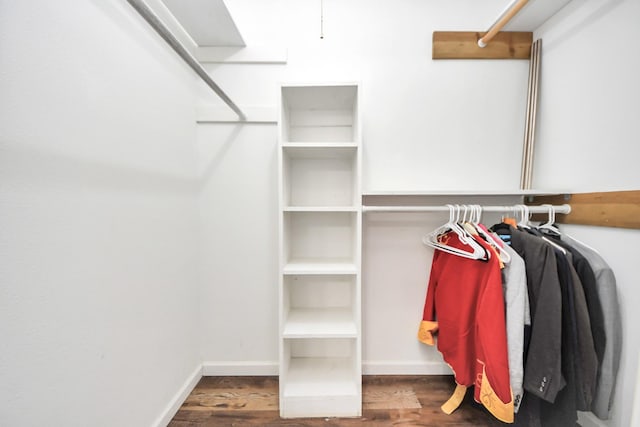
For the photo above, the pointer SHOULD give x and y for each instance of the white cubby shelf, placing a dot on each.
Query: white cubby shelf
(320, 251)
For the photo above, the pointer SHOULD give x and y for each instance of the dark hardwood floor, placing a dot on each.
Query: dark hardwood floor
(387, 401)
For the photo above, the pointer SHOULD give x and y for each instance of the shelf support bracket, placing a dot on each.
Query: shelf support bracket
(464, 45)
(619, 209)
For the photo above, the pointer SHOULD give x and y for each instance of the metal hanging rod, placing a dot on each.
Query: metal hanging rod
(559, 209)
(502, 20)
(164, 32)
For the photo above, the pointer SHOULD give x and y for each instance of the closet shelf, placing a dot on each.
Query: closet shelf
(302, 267)
(462, 193)
(320, 151)
(320, 377)
(321, 209)
(320, 323)
(319, 144)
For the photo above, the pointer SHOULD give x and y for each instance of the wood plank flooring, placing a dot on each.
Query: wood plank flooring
(387, 401)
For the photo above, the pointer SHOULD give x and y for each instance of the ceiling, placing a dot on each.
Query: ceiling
(208, 22)
(534, 14)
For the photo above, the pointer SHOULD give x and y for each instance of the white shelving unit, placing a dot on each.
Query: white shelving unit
(320, 251)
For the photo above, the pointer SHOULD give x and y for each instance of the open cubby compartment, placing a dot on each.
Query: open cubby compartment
(320, 240)
(319, 113)
(320, 306)
(320, 378)
(320, 176)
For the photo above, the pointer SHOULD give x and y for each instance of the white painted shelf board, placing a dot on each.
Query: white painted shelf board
(320, 323)
(462, 193)
(317, 151)
(302, 267)
(321, 209)
(339, 96)
(320, 144)
(309, 376)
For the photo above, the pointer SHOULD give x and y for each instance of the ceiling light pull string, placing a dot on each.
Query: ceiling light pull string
(321, 19)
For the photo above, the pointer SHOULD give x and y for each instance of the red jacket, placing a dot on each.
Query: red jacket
(465, 306)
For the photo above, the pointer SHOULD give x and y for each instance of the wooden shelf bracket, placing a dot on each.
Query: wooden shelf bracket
(619, 209)
(475, 45)
(464, 45)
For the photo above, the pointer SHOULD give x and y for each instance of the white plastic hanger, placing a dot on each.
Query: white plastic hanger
(490, 238)
(549, 225)
(432, 240)
(468, 230)
(524, 216)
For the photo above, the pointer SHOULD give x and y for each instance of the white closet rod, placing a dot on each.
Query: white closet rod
(164, 32)
(560, 209)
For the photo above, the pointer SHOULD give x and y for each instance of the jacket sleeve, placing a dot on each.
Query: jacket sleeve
(429, 325)
(543, 375)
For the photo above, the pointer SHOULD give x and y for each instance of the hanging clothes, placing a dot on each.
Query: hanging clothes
(608, 298)
(465, 307)
(578, 357)
(552, 303)
(543, 358)
(588, 281)
(589, 317)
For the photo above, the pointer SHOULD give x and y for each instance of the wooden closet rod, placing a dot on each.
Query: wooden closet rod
(502, 21)
(164, 32)
(559, 209)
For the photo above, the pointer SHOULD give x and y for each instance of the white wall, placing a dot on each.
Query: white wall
(238, 207)
(588, 141)
(427, 125)
(98, 244)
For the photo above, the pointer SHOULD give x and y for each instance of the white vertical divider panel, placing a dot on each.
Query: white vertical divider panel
(320, 224)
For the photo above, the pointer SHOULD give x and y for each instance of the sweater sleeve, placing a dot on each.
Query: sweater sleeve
(429, 325)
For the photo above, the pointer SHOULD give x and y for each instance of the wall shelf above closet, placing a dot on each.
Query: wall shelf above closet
(461, 193)
(420, 198)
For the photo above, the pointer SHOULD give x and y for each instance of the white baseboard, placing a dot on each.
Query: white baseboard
(179, 398)
(230, 368)
(395, 367)
(588, 419)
